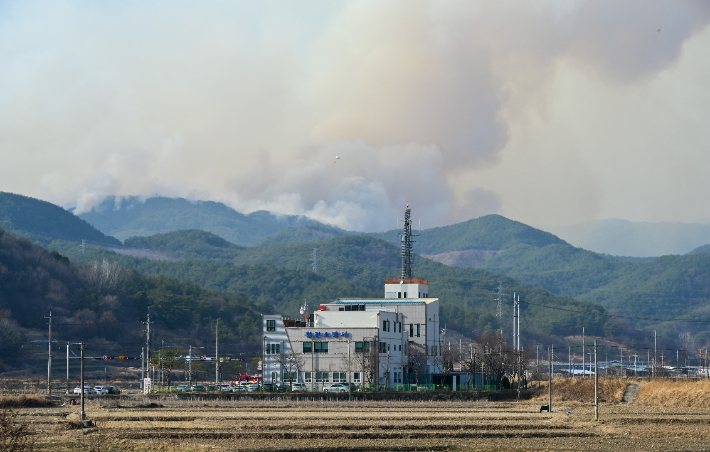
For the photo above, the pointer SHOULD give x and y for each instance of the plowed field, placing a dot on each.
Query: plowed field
(329, 426)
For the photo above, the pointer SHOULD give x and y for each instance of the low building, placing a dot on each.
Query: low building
(382, 342)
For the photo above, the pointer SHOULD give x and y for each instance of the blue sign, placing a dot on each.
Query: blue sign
(334, 334)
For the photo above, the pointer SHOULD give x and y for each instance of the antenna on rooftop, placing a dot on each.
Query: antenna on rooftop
(407, 244)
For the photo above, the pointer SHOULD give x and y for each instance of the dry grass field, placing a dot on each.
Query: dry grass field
(177, 425)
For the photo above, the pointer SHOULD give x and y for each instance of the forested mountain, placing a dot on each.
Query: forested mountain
(306, 233)
(356, 266)
(132, 216)
(42, 220)
(641, 239)
(490, 232)
(104, 305)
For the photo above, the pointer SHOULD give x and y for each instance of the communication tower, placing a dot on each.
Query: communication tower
(407, 244)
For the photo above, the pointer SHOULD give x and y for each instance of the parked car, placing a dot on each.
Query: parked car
(112, 390)
(299, 387)
(251, 387)
(283, 387)
(182, 388)
(226, 388)
(239, 388)
(198, 388)
(87, 390)
(337, 387)
(267, 387)
(100, 390)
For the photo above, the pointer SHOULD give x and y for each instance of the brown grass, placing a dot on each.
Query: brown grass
(582, 390)
(675, 394)
(24, 401)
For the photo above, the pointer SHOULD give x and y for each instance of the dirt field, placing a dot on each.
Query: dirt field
(494, 426)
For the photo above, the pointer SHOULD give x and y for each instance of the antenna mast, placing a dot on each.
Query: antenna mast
(407, 244)
(315, 260)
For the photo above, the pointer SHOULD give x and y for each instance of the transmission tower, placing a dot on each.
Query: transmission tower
(499, 304)
(315, 260)
(407, 244)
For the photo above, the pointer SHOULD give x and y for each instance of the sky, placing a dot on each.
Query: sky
(546, 112)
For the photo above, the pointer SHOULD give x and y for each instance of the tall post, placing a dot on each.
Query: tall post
(216, 353)
(584, 370)
(142, 385)
(67, 368)
(596, 384)
(549, 379)
(655, 352)
(83, 413)
(189, 368)
(49, 357)
(350, 381)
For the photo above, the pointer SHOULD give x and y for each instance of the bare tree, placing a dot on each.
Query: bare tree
(416, 359)
(365, 360)
(104, 275)
(292, 363)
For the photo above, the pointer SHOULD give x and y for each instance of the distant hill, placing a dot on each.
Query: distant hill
(186, 244)
(705, 249)
(132, 216)
(42, 220)
(305, 234)
(627, 238)
(490, 232)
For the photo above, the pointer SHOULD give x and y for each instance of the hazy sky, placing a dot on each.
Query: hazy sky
(548, 112)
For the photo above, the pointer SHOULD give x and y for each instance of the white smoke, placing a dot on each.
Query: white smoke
(248, 103)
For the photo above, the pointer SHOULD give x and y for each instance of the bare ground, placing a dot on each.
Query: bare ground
(325, 426)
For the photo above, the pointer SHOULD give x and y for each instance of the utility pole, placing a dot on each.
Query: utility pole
(216, 353)
(189, 369)
(596, 384)
(147, 351)
(67, 368)
(584, 370)
(49, 356)
(655, 352)
(142, 368)
(83, 413)
(549, 379)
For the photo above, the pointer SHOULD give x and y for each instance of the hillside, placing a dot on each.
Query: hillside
(356, 266)
(42, 220)
(473, 242)
(104, 305)
(186, 244)
(641, 239)
(304, 234)
(132, 216)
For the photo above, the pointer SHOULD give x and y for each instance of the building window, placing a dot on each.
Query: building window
(411, 330)
(271, 325)
(383, 347)
(356, 377)
(320, 347)
(307, 377)
(419, 329)
(322, 377)
(273, 377)
(339, 377)
(307, 347)
(273, 349)
(288, 376)
(362, 347)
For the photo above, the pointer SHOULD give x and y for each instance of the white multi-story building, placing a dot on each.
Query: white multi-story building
(362, 341)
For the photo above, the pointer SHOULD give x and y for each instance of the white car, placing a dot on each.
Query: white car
(337, 387)
(100, 389)
(87, 390)
(299, 387)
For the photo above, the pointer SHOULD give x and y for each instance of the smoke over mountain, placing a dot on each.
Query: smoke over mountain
(248, 103)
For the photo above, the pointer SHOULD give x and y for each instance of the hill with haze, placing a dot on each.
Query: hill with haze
(133, 216)
(640, 239)
(42, 220)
